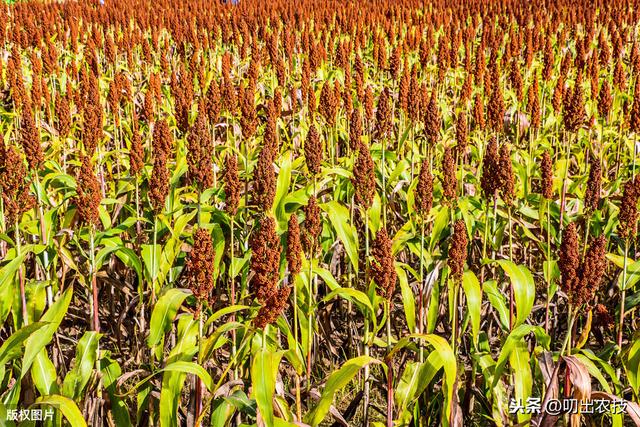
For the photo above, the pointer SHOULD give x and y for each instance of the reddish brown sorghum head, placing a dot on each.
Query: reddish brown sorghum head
(199, 274)
(432, 120)
(634, 117)
(264, 181)
(478, 113)
(605, 99)
(213, 102)
(89, 193)
(496, 107)
(30, 139)
(383, 269)
(265, 259)
(449, 181)
(558, 94)
(458, 249)
(159, 182)
(533, 104)
(364, 179)
(63, 114)
(516, 79)
(136, 151)
(232, 184)
(383, 115)
(355, 130)
(272, 307)
(546, 172)
(312, 224)
(574, 115)
(490, 180)
(591, 272)
(270, 144)
(328, 106)
(602, 318)
(569, 259)
(628, 215)
(14, 185)
(249, 115)
(313, 150)
(424, 189)
(507, 185)
(368, 104)
(294, 246)
(200, 151)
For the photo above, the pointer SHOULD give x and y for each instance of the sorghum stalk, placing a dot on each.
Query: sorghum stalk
(623, 295)
(511, 302)
(23, 298)
(310, 314)
(548, 275)
(154, 261)
(421, 314)
(554, 375)
(564, 186)
(43, 234)
(384, 186)
(389, 367)
(367, 386)
(92, 274)
(232, 286)
(484, 240)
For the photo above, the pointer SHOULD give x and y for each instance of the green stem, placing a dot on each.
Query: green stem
(367, 386)
(548, 275)
(623, 295)
(511, 302)
(421, 315)
(23, 297)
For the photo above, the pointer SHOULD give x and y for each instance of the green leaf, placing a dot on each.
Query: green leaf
(440, 223)
(337, 381)
(523, 381)
(39, 339)
(350, 294)
(497, 301)
(7, 273)
(633, 275)
(263, 373)
(66, 406)
(86, 355)
(110, 373)
(524, 289)
(632, 365)
(12, 347)
(340, 220)
(408, 299)
(514, 338)
(473, 293)
(190, 368)
(43, 373)
(151, 264)
(406, 388)
(282, 188)
(162, 316)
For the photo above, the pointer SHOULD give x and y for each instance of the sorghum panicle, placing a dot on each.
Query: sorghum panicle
(458, 249)
(89, 193)
(199, 274)
(383, 269)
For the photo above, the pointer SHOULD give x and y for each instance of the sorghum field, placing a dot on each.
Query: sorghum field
(319, 213)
